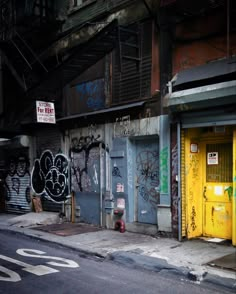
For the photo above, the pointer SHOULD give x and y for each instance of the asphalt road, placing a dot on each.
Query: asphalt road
(31, 266)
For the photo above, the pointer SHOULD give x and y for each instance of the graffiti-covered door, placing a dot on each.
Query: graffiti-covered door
(147, 175)
(218, 191)
(88, 173)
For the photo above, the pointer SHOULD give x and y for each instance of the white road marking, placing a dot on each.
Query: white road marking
(66, 262)
(12, 276)
(38, 270)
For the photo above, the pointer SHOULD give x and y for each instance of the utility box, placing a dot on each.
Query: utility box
(164, 218)
(108, 205)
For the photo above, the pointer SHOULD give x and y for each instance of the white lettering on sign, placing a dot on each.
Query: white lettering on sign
(45, 112)
(38, 270)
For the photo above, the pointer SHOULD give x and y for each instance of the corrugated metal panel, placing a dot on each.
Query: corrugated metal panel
(49, 139)
(134, 81)
(94, 10)
(206, 71)
(117, 3)
(17, 181)
(218, 117)
(86, 14)
(183, 185)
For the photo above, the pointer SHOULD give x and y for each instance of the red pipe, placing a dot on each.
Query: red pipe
(120, 225)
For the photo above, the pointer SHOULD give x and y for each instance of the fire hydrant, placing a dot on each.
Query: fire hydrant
(119, 224)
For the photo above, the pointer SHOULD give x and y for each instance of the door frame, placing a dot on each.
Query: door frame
(216, 140)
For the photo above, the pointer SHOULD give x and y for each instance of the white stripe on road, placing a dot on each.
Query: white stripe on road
(38, 270)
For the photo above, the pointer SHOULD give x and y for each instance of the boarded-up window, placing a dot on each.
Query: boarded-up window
(88, 96)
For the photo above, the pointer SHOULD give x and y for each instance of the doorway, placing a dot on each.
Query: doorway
(147, 180)
(217, 189)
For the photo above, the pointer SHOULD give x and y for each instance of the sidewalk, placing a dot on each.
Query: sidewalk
(188, 258)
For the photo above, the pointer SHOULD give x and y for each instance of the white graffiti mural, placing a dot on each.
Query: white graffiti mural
(50, 176)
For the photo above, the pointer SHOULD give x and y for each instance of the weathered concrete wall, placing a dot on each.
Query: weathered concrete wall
(118, 159)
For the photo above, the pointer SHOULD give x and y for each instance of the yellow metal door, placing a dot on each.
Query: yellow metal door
(234, 192)
(218, 190)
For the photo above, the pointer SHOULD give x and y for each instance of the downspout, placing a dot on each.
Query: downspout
(170, 84)
(228, 29)
(101, 181)
(1, 84)
(179, 183)
(151, 14)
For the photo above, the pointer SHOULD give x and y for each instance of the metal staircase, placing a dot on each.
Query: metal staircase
(37, 69)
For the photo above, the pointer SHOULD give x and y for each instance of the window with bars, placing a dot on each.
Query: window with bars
(221, 171)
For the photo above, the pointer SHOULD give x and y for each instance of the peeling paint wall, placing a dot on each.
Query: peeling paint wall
(123, 126)
(117, 141)
(194, 192)
(202, 40)
(174, 182)
(234, 191)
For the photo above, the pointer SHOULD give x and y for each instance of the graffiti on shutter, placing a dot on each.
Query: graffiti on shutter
(50, 176)
(17, 184)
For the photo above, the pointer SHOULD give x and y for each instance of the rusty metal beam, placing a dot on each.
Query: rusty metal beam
(153, 16)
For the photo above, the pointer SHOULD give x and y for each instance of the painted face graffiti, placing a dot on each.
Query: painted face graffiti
(17, 184)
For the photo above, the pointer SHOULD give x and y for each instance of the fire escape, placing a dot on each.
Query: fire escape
(31, 45)
(20, 29)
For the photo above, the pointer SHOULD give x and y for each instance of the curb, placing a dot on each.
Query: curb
(135, 260)
(131, 259)
(62, 244)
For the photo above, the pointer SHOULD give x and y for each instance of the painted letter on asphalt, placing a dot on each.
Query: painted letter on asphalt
(12, 276)
(65, 262)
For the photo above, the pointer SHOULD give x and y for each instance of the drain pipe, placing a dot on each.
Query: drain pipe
(101, 181)
(170, 84)
(1, 84)
(179, 183)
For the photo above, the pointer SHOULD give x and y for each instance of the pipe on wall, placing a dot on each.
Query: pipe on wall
(179, 183)
(1, 85)
(101, 181)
